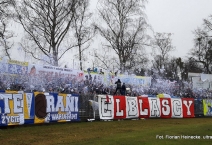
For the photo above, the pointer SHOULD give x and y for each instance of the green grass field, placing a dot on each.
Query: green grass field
(126, 132)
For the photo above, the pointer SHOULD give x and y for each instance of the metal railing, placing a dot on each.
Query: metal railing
(85, 109)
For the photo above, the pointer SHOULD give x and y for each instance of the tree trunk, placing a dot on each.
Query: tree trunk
(80, 57)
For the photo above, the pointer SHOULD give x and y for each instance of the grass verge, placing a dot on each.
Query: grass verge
(126, 132)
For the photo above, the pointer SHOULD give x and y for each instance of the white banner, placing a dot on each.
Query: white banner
(132, 110)
(106, 110)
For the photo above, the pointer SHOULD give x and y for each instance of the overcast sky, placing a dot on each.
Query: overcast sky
(180, 17)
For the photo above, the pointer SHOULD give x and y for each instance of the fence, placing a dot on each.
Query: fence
(85, 109)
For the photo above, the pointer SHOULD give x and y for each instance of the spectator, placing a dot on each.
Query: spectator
(32, 71)
(118, 86)
(89, 70)
(116, 73)
(101, 72)
(90, 79)
(86, 82)
(94, 80)
(123, 89)
(95, 70)
(104, 91)
(100, 89)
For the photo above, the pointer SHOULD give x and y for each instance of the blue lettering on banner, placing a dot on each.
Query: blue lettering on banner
(140, 81)
(134, 81)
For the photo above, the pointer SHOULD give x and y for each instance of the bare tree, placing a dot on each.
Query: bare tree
(162, 46)
(84, 32)
(207, 25)
(46, 23)
(202, 51)
(104, 60)
(157, 63)
(192, 66)
(123, 25)
(5, 34)
(138, 60)
(171, 68)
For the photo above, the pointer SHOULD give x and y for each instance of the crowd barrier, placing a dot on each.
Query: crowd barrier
(19, 108)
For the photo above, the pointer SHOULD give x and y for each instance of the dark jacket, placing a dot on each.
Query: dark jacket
(118, 83)
(123, 87)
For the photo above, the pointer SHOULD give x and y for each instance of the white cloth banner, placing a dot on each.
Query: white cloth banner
(106, 110)
(132, 110)
(199, 84)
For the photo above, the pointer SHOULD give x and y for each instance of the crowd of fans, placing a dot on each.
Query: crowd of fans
(89, 86)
